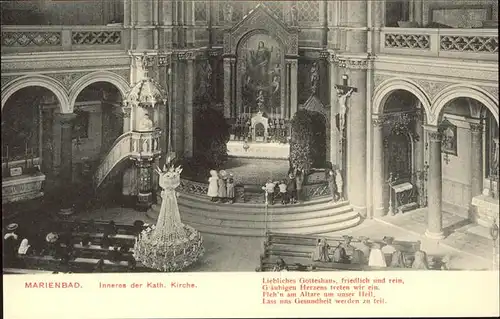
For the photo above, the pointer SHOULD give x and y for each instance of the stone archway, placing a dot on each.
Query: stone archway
(100, 76)
(42, 81)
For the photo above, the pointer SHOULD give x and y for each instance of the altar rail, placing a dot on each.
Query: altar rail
(473, 44)
(20, 39)
(312, 191)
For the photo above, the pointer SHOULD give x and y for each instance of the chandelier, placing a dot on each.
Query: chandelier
(169, 245)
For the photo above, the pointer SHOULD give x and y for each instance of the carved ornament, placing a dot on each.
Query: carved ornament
(260, 20)
(67, 79)
(7, 79)
(431, 88)
(476, 127)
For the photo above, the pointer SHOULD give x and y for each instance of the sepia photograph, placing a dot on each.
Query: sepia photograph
(359, 137)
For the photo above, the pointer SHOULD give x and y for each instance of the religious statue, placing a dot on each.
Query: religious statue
(276, 84)
(343, 107)
(228, 12)
(340, 184)
(494, 159)
(260, 100)
(294, 16)
(146, 124)
(314, 77)
(259, 64)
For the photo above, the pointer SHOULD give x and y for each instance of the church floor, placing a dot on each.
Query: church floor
(233, 253)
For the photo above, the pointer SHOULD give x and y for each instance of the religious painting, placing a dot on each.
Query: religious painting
(260, 63)
(449, 138)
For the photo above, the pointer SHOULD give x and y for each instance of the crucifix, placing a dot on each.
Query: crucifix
(344, 91)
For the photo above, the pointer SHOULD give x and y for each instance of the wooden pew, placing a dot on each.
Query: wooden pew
(299, 248)
(96, 226)
(22, 271)
(77, 265)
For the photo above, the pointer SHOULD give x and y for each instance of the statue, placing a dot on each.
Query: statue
(340, 184)
(260, 100)
(146, 124)
(276, 84)
(314, 77)
(343, 107)
(228, 13)
(294, 16)
(259, 64)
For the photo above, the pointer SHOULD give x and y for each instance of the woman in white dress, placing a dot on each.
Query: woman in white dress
(212, 185)
(376, 258)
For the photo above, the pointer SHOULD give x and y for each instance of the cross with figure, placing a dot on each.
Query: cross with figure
(344, 91)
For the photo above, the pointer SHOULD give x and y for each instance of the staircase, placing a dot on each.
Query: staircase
(318, 216)
(128, 145)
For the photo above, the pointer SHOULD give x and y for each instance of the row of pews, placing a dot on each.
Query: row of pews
(296, 251)
(87, 257)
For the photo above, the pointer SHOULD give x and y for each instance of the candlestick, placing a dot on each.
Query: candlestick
(26, 156)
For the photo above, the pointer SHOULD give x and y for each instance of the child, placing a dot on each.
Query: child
(291, 188)
(269, 189)
(283, 192)
(222, 191)
(213, 186)
(230, 188)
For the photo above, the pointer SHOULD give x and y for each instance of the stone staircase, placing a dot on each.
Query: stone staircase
(318, 216)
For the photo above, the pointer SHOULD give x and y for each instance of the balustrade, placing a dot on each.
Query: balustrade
(452, 43)
(62, 38)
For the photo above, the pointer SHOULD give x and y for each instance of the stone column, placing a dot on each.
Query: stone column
(476, 158)
(126, 112)
(356, 20)
(418, 12)
(188, 110)
(378, 166)
(144, 24)
(66, 170)
(227, 87)
(435, 187)
(334, 110)
(293, 65)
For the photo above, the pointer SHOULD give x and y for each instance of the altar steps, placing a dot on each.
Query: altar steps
(318, 216)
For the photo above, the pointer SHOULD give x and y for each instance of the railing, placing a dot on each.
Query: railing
(18, 39)
(451, 43)
(130, 144)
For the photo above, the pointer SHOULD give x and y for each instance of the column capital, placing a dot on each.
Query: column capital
(126, 110)
(377, 121)
(65, 119)
(476, 127)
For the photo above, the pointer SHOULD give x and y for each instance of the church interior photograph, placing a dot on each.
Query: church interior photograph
(203, 136)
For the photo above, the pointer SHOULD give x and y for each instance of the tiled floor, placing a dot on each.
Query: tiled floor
(232, 253)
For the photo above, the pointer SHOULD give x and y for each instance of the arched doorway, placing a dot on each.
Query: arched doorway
(404, 166)
(98, 123)
(470, 152)
(29, 134)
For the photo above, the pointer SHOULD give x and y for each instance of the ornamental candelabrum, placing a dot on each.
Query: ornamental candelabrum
(169, 245)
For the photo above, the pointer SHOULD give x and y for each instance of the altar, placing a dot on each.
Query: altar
(486, 209)
(23, 187)
(258, 150)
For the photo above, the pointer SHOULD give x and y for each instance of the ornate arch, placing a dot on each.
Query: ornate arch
(261, 18)
(38, 80)
(460, 90)
(383, 91)
(98, 76)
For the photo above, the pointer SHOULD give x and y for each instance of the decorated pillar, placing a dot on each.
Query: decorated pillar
(435, 187)
(145, 182)
(476, 158)
(378, 180)
(334, 110)
(228, 88)
(66, 166)
(188, 111)
(292, 64)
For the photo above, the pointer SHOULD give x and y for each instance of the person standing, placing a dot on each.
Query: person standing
(330, 178)
(291, 188)
(230, 188)
(213, 186)
(283, 192)
(269, 189)
(222, 190)
(299, 179)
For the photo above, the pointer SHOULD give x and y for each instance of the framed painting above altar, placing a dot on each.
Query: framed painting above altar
(449, 138)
